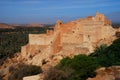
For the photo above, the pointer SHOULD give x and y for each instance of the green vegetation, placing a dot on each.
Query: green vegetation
(22, 70)
(78, 68)
(110, 55)
(99, 50)
(11, 43)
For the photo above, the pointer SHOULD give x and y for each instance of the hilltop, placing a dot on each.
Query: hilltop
(5, 26)
(33, 25)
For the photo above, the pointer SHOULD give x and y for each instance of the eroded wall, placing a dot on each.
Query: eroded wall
(40, 39)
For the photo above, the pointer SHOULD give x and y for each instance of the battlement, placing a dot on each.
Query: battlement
(101, 17)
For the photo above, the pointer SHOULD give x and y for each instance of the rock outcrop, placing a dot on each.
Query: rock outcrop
(35, 77)
(110, 73)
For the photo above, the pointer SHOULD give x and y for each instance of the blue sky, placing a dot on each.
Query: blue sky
(48, 11)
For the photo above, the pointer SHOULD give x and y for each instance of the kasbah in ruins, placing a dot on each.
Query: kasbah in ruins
(72, 38)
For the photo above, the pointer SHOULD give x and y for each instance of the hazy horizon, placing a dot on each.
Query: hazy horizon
(46, 11)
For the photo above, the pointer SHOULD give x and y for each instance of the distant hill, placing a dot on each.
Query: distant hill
(28, 25)
(5, 26)
(36, 25)
(33, 25)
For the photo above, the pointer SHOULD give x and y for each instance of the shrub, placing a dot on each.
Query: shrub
(110, 55)
(22, 70)
(79, 68)
(99, 50)
(1, 77)
(55, 74)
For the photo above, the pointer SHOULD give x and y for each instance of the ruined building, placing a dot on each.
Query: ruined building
(71, 38)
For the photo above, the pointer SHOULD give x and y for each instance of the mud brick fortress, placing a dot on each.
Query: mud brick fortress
(68, 39)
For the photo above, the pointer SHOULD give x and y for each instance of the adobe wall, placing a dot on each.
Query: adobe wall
(75, 49)
(56, 44)
(79, 26)
(100, 17)
(92, 33)
(72, 38)
(92, 23)
(107, 31)
(40, 39)
(68, 27)
(32, 50)
(23, 51)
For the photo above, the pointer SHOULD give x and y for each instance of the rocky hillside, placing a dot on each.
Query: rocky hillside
(110, 73)
(5, 26)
